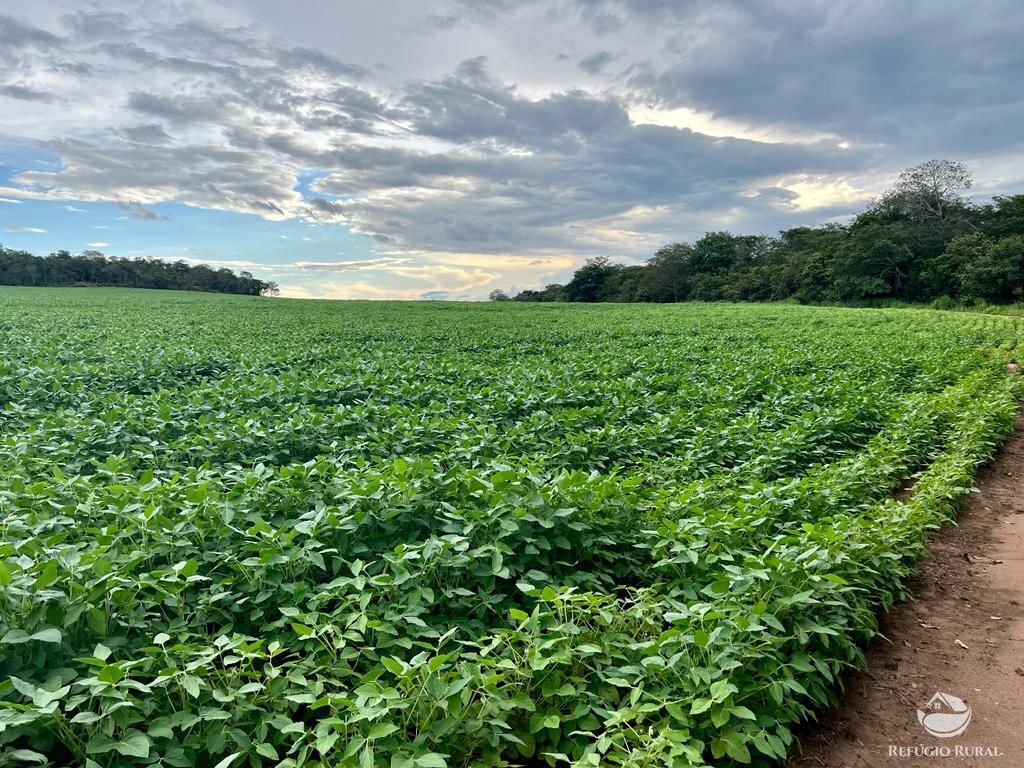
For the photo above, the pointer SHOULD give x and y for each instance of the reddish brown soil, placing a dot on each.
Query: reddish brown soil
(963, 634)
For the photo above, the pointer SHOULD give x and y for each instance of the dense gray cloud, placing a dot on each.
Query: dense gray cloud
(466, 12)
(596, 62)
(591, 126)
(858, 69)
(14, 34)
(571, 168)
(150, 133)
(23, 93)
(139, 211)
(937, 76)
(209, 176)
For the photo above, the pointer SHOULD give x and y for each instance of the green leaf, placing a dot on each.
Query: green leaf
(718, 747)
(737, 750)
(380, 730)
(326, 743)
(191, 684)
(394, 666)
(48, 635)
(27, 756)
(24, 687)
(700, 705)
(228, 760)
(134, 743)
(96, 619)
(763, 745)
(722, 689)
(100, 744)
(719, 716)
(48, 575)
(266, 750)
(110, 674)
(801, 663)
(431, 760)
(86, 718)
(676, 712)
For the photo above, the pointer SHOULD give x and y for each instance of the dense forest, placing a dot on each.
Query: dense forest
(922, 241)
(95, 268)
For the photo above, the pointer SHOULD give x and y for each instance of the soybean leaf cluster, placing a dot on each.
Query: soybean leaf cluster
(246, 532)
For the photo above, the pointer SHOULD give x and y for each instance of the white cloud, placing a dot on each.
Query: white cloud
(25, 230)
(355, 265)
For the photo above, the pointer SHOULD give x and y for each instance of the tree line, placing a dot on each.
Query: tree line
(922, 241)
(95, 268)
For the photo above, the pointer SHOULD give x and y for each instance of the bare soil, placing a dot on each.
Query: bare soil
(962, 634)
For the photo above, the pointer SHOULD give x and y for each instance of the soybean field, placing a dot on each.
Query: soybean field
(238, 531)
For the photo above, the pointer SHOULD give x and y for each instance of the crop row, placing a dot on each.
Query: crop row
(298, 534)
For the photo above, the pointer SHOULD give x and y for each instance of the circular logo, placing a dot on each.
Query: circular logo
(945, 716)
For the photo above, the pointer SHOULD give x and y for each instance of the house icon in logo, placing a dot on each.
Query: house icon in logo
(945, 716)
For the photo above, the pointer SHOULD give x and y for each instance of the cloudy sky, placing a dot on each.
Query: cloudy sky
(442, 148)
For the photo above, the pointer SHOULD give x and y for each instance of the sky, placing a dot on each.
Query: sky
(440, 149)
